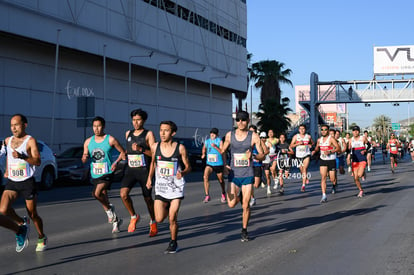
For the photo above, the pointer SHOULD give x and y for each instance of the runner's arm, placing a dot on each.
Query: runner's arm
(151, 170)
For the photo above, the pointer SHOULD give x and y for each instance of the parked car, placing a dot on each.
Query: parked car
(194, 150)
(72, 169)
(45, 174)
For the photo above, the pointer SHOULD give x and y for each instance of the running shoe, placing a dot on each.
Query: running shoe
(252, 201)
(269, 192)
(302, 189)
(244, 236)
(281, 190)
(116, 224)
(133, 224)
(324, 199)
(223, 198)
(41, 244)
(111, 214)
(369, 169)
(395, 164)
(349, 169)
(360, 194)
(172, 247)
(206, 199)
(22, 238)
(333, 189)
(153, 229)
(263, 185)
(276, 185)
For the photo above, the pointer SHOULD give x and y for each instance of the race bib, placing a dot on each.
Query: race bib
(166, 168)
(135, 161)
(18, 170)
(100, 168)
(301, 148)
(241, 160)
(212, 158)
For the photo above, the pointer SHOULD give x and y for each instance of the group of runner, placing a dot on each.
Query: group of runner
(243, 154)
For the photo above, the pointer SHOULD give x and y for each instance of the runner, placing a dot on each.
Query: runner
(169, 179)
(265, 163)
(257, 164)
(22, 157)
(369, 151)
(283, 161)
(214, 163)
(359, 159)
(21, 231)
(411, 148)
(384, 151)
(98, 147)
(328, 146)
(303, 143)
(241, 176)
(273, 140)
(340, 157)
(392, 146)
(347, 139)
(138, 144)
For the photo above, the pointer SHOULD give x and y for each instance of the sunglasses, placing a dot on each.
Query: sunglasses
(324, 129)
(240, 119)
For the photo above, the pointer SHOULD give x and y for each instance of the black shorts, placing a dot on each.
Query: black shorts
(106, 179)
(161, 198)
(26, 189)
(266, 166)
(330, 163)
(393, 155)
(257, 171)
(216, 169)
(134, 175)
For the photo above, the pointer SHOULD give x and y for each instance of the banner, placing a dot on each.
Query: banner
(394, 60)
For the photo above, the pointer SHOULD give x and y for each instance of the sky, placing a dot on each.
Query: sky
(333, 38)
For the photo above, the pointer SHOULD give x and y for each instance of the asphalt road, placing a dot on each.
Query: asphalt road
(291, 234)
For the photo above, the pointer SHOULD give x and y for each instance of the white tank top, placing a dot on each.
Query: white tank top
(303, 150)
(18, 169)
(325, 146)
(341, 142)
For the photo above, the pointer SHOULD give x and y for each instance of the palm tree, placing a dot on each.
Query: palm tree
(273, 115)
(268, 75)
(382, 125)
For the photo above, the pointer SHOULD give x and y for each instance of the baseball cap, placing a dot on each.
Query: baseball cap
(356, 128)
(214, 131)
(263, 134)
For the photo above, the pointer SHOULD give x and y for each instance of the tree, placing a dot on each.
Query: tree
(382, 126)
(273, 115)
(268, 75)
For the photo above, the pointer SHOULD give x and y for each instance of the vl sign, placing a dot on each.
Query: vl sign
(394, 60)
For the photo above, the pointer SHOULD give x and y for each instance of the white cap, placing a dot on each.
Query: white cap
(263, 134)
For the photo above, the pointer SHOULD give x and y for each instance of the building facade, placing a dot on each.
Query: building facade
(64, 62)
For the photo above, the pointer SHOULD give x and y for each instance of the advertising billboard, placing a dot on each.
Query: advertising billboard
(394, 60)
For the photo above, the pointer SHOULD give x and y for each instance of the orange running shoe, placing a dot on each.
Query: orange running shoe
(133, 224)
(153, 229)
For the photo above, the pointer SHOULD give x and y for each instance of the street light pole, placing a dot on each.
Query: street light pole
(158, 86)
(186, 91)
(130, 73)
(211, 94)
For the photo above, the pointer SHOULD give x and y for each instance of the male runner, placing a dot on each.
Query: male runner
(369, 151)
(411, 148)
(303, 143)
(359, 158)
(340, 157)
(214, 163)
(169, 179)
(257, 164)
(138, 145)
(328, 146)
(283, 161)
(392, 146)
(22, 157)
(241, 176)
(98, 147)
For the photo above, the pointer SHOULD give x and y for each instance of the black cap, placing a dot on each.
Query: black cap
(356, 128)
(214, 131)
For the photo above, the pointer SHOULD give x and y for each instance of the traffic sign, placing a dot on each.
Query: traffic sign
(396, 126)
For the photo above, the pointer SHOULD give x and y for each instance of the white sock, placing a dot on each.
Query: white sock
(133, 217)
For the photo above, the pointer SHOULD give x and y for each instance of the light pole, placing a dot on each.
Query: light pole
(130, 73)
(211, 93)
(186, 90)
(158, 85)
(52, 130)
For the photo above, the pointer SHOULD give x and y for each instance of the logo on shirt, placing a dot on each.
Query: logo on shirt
(98, 154)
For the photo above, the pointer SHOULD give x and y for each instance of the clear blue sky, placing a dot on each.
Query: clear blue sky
(333, 38)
